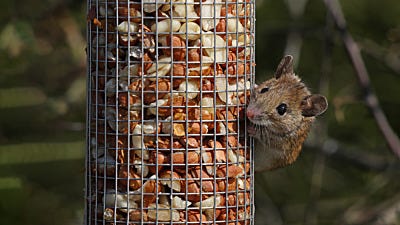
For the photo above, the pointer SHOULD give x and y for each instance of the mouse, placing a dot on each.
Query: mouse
(281, 112)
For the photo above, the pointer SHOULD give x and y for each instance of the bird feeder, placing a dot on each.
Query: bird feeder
(168, 83)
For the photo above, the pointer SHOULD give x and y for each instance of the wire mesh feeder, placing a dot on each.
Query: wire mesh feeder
(168, 85)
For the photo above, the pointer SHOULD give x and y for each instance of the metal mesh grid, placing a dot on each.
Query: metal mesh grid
(168, 84)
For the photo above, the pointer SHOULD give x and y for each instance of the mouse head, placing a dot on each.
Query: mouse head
(283, 103)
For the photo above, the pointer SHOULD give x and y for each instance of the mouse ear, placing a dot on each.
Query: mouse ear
(313, 105)
(285, 66)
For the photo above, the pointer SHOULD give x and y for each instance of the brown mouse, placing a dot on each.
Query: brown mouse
(281, 112)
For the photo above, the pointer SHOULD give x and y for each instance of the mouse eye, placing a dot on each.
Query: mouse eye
(281, 109)
(264, 90)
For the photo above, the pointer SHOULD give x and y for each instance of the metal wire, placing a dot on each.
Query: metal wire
(168, 83)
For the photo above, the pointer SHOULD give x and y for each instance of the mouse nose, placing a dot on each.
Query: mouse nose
(250, 114)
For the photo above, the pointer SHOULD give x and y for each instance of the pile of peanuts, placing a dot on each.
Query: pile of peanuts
(168, 90)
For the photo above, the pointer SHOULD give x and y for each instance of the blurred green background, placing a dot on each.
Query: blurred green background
(347, 175)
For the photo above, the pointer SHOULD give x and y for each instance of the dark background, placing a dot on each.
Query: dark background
(346, 174)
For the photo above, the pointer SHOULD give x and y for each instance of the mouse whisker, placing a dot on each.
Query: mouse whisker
(268, 137)
(264, 136)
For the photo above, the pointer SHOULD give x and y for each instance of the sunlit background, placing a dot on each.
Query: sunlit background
(346, 174)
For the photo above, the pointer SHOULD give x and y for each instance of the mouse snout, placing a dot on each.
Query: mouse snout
(250, 113)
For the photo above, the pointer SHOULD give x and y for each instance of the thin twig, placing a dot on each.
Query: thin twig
(333, 6)
(354, 156)
(295, 38)
(387, 56)
(317, 177)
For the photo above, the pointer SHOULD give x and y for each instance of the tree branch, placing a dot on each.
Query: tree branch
(356, 157)
(333, 6)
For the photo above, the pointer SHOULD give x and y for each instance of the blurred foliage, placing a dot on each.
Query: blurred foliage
(345, 175)
(42, 111)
